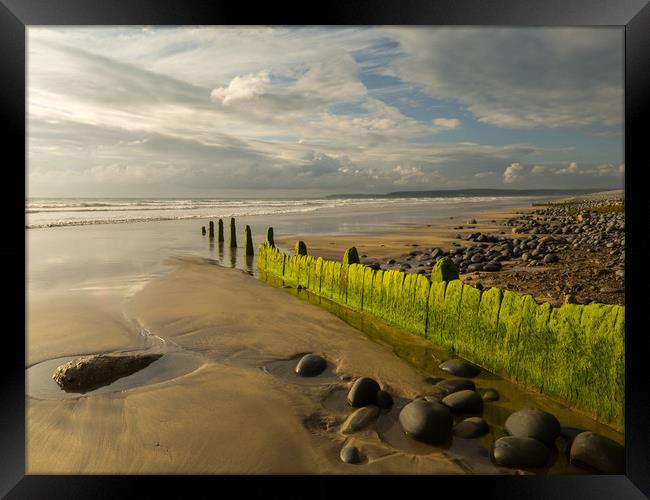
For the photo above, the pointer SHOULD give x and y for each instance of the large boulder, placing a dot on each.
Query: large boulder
(511, 451)
(87, 373)
(464, 402)
(310, 365)
(597, 453)
(533, 423)
(363, 392)
(428, 422)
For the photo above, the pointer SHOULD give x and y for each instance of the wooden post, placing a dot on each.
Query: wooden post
(269, 237)
(301, 248)
(220, 234)
(351, 256)
(248, 242)
(203, 230)
(211, 229)
(233, 235)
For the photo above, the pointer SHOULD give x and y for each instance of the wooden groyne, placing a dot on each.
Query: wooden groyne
(575, 353)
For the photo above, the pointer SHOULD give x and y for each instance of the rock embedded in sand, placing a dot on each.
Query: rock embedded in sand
(598, 453)
(465, 401)
(452, 385)
(511, 451)
(310, 365)
(360, 419)
(533, 423)
(350, 455)
(471, 427)
(87, 373)
(428, 422)
(460, 368)
(384, 399)
(363, 392)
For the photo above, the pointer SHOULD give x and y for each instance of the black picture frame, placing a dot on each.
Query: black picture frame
(631, 15)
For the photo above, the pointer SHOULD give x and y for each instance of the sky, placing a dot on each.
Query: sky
(306, 112)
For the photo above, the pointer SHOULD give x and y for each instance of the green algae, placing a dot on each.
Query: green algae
(367, 298)
(351, 256)
(435, 315)
(450, 312)
(507, 334)
(354, 298)
(301, 248)
(444, 270)
(535, 343)
(464, 344)
(487, 318)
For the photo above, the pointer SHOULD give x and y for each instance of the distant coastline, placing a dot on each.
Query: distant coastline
(442, 193)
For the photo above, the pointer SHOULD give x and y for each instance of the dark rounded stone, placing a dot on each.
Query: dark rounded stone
(534, 423)
(511, 451)
(452, 385)
(310, 365)
(489, 394)
(464, 402)
(492, 267)
(350, 455)
(471, 427)
(428, 422)
(474, 267)
(595, 452)
(459, 367)
(551, 257)
(363, 392)
(383, 399)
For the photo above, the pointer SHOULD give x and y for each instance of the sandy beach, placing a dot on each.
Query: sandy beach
(240, 408)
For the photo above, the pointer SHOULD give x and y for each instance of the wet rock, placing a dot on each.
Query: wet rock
(465, 401)
(360, 419)
(492, 267)
(452, 385)
(432, 399)
(350, 455)
(384, 399)
(489, 394)
(534, 423)
(471, 427)
(87, 373)
(428, 422)
(475, 267)
(510, 451)
(595, 452)
(363, 392)
(310, 365)
(570, 432)
(460, 368)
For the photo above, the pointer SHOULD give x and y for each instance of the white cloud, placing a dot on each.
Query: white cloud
(447, 123)
(571, 169)
(539, 169)
(483, 175)
(242, 88)
(513, 173)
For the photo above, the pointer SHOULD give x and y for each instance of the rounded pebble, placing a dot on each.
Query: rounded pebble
(464, 402)
(460, 368)
(363, 392)
(350, 455)
(598, 453)
(428, 422)
(310, 365)
(511, 451)
(471, 427)
(384, 399)
(533, 423)
(452, 385)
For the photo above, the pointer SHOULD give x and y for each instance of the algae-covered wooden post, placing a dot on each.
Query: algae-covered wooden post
(301, 248)
(351, 256)
(269, 237)
(220, 231)
(248, 242)
(233, 235)
(211, 229)
(444, 270)
(203, 230)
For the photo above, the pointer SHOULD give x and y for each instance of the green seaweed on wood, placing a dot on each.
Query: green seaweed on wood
(351, 256)
(368, 277)
(435, 314)
(507, 333)
(444, 270)
(535, 344)
(450, 312)
(468, 319)
(354, 297)
(301, 248)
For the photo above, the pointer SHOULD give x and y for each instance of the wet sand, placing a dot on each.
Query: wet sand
(240, 412)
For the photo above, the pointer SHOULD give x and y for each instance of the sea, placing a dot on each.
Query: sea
(102, 244)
